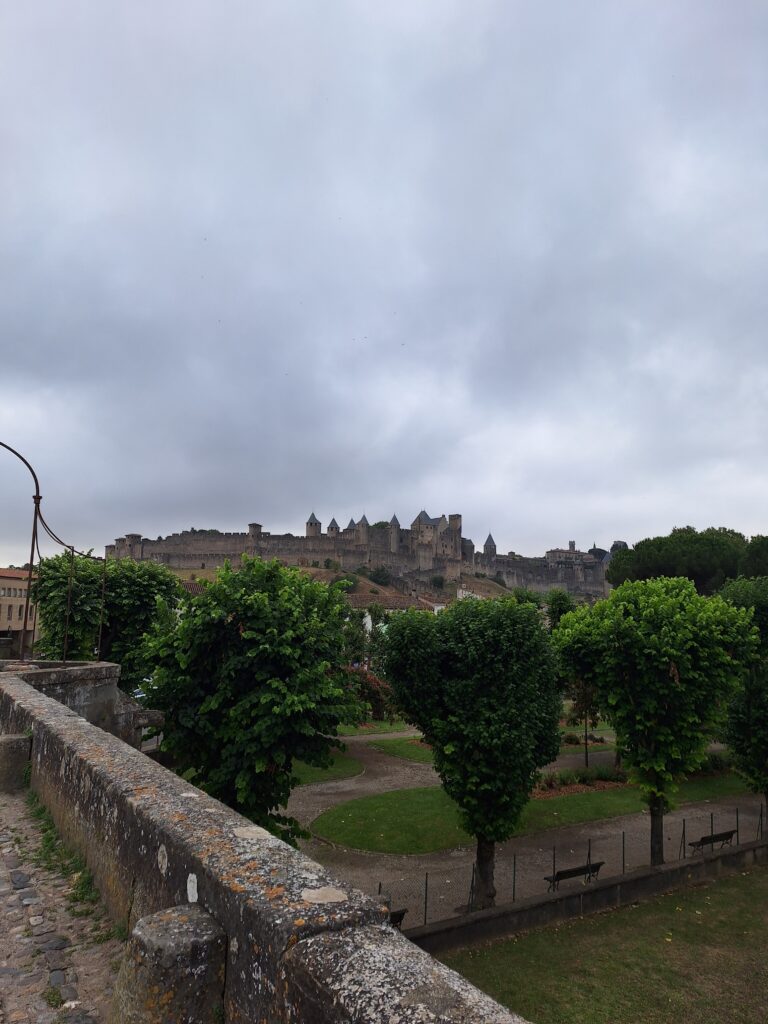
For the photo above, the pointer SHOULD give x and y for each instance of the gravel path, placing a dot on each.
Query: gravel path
(521, 863)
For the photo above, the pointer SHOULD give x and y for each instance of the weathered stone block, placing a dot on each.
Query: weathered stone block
(375, 974)
(172, 970)
(15, 752)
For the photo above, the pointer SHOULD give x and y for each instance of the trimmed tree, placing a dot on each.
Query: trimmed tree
(131, 591)
(478, 680)
(746, 731)
(664, 662)
(251, 676)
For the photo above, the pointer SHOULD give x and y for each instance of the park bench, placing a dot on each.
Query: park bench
(587, 871)
(396, 918)
(724, 838)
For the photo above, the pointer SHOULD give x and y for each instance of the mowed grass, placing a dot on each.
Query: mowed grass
(376, 726)
(413, 749)
(426, 819)
(342, 767)
(698, 956)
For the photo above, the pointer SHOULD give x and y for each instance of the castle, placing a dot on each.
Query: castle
(430, 546)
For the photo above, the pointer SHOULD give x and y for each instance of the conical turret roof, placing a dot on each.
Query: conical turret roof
(333, 525)
(313, 520)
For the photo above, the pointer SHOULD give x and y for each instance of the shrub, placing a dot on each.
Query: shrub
(572, 739)
(380, 575)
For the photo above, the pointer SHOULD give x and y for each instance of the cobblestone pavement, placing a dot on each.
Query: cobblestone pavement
(58, 960)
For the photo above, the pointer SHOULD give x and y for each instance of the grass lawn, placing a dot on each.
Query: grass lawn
(425, 820)
(369, 728)
(412, 749)
(578, 748)
(697, 956)
(342, 767)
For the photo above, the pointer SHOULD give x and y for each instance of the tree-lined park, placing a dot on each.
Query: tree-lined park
(261, 675)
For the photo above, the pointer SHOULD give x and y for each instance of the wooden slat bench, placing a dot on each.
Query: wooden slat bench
(724, 838)
(587, 871)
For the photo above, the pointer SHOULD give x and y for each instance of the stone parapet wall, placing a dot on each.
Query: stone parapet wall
(301, 945)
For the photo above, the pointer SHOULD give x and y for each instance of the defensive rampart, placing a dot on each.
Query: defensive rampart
(301, 945)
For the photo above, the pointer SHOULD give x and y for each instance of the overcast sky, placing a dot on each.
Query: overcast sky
(508, 259)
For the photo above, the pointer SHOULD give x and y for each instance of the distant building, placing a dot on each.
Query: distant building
(430, 546)
(13, 592)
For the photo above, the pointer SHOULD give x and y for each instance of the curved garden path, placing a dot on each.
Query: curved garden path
(521, 863)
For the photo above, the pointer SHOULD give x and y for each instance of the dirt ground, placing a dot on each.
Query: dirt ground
(436, 886)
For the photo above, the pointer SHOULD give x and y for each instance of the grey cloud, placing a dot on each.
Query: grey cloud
(508, 261)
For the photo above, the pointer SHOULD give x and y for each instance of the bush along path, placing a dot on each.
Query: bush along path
(58, 952)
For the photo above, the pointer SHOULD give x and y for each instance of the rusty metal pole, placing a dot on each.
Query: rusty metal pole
(36, 498)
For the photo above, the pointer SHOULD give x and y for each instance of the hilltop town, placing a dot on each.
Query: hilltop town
(431, 547)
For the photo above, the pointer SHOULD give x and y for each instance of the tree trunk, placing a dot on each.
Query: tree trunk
(586, 742)
(485, 891)
(657, 830)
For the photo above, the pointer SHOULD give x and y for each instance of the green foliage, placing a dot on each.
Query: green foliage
(558, 603)
(525, 596)
(131, 595)
(746, 731)
(380, 575)
(751, 593)
(664, 662)
(478, 681)
(329, 563)
(380, 525)
(755, 562)
(708, 558)
(251, 676)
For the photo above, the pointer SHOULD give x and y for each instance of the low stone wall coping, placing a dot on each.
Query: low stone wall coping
(154, 841)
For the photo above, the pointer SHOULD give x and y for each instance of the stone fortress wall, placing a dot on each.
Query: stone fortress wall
(430, 546)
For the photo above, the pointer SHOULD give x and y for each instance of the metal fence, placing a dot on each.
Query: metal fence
(522, 872)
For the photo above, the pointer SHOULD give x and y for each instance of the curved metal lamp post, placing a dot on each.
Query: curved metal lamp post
(36, 498)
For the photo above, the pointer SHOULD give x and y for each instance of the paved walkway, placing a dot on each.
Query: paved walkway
(55, 967)
(521, 864)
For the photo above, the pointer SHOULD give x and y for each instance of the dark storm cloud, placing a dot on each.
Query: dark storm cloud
(506, 259)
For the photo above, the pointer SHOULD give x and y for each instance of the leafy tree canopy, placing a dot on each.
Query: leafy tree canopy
(131, 591)
(746, 731)
(558, 603)
(709, 557)
(751, 593)
(478, 680)
(250, 677)
(664, 662)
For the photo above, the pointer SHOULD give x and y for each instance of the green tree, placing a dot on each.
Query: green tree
(478, 680)
(131, 591)
(250, 677)
(755, 561)
(558, 603)
(746, 731)
(709, 558)
(664, 662)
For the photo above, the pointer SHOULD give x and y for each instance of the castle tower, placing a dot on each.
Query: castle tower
(314, 526)
(489, 548)
(361, 531)
(394, 536)
(333, 529)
